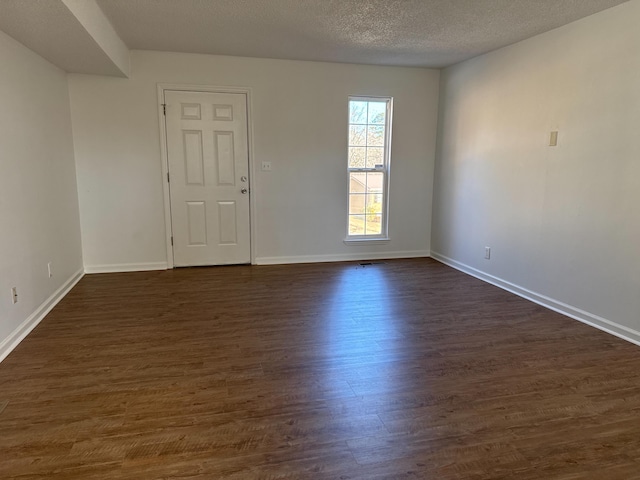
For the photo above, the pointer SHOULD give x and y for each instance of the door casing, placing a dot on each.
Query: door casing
(162, 87)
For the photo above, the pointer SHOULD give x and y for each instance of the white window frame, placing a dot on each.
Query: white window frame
(383, 237)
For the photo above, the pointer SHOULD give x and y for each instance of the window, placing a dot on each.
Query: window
(368, 167)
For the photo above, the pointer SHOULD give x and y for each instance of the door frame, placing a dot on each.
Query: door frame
(162, 88)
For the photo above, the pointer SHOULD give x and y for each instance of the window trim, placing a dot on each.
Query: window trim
(383, 237)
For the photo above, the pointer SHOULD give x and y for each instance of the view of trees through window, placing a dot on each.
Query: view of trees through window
(368, 133)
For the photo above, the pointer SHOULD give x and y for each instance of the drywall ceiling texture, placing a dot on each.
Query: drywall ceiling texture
(299, 121)
(561, 221)
(52, 30)
(38, 194)
(426, 33)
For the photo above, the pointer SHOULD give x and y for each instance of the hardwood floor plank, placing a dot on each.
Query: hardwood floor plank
(404, 369)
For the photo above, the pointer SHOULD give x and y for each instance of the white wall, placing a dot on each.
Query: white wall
(38, 195)
(299, 124)
(563, 222)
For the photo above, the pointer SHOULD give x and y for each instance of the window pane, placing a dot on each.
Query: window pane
(356, 157)
(357, 183)
(367, 160)
(375, 181)
(375, 135)
(357, 112)
(374, 204)
(373, 225)
(375, 156)
(377, 112)
(357, 135)
(356, 224)
(357, 203)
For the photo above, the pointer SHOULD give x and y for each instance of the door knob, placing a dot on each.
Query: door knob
(244, 191)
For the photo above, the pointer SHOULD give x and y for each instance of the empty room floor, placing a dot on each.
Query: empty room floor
(400, 369)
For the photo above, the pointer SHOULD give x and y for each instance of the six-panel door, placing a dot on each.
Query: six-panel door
(208, 158)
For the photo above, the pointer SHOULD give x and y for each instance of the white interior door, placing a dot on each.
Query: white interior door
(208, 158)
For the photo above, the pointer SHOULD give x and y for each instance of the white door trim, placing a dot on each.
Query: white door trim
(162, 87)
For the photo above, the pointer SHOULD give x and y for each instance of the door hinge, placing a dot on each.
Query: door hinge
(168, 178)
(164, 108)
(172, 241)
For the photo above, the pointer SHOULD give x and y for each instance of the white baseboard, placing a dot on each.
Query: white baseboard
(583, 316)
(125, 267)
(19, 334)
(340, 257)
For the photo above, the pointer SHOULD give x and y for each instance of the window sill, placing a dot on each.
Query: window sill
(367, 241)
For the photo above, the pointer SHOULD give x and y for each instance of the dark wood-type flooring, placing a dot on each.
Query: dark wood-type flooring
(402, 370)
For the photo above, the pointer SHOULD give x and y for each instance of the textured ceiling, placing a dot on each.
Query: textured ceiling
(426, 33)
(50, 29)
